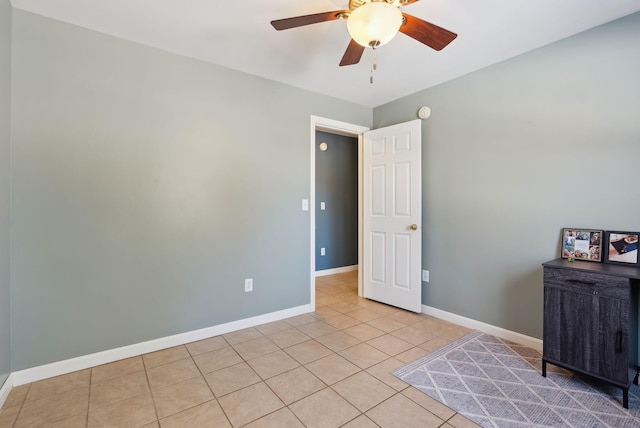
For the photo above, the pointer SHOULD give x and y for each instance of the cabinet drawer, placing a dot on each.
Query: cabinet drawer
(587, 282)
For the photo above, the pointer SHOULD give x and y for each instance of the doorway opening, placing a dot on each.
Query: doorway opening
(341, 129)
(337, 203)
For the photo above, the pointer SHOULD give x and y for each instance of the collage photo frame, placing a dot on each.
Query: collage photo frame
(582, 244)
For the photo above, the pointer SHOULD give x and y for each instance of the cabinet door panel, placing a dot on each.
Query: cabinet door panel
(613, 331)
(570, 330)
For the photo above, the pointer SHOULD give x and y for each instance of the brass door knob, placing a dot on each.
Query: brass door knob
(414, 227)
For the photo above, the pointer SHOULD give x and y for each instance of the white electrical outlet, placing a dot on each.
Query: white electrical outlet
(248, 285)
(322, 251)
(425, 275)
(322, 206)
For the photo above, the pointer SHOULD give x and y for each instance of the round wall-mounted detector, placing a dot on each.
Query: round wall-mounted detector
(323, 146)
(424, 112)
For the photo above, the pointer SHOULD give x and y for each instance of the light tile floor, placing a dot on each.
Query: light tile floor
(330, 368)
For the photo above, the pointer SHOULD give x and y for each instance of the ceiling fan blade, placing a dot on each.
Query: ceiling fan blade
(431, 35)
(299, 21)
(353, 54)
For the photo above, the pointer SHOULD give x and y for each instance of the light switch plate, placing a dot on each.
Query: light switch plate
(305, 205)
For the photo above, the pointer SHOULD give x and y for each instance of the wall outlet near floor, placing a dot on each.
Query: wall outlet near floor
(248, 285)
(322, 251)
(425, 276)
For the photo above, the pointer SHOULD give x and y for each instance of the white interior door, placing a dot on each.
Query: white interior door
(392, 213)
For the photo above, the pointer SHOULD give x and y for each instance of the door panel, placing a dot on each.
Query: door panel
(402, 188)
(378, 180)
(402, 265)
(392, 204)
(378, 261)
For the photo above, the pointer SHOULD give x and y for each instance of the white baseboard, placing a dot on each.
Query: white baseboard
(500, 332)
(5, 389)
(342, 269)
(86, 361)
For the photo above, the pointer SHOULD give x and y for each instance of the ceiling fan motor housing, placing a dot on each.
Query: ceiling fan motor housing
(354, 4)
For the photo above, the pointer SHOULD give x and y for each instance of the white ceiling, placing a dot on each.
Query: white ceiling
(237, 34)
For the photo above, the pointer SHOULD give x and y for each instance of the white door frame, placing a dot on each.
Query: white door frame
(340, 128)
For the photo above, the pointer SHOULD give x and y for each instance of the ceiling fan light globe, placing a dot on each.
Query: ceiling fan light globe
(374, 23)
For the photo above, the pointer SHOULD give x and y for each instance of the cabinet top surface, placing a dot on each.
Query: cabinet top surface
(604, 268)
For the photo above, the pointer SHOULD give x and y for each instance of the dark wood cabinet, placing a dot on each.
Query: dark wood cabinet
(591, 320)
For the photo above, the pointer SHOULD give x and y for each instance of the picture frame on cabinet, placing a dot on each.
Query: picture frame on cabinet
(622, 248)
(582, 244)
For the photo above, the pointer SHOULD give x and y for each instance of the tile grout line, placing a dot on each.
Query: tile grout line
(208, 386)
(153, 399)
(24, 400)
(89, 400)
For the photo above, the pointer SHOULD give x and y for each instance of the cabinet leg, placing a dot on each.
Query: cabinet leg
(625, 398)
(544, 369)
(635, 379)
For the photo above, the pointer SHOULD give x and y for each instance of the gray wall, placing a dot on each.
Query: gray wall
(147, 187)
(5, 180)
(337, 186)
(517, 151)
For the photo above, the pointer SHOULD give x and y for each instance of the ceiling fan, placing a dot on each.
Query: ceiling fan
(372, 23)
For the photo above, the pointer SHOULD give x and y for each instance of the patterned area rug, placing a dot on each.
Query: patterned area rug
(497, 383)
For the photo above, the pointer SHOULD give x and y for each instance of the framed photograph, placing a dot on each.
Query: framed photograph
(582, 244)
(622, 248)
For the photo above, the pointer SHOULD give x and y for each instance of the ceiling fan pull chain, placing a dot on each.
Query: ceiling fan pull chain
(374, 67)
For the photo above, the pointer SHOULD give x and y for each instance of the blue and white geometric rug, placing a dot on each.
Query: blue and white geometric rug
(498, 384)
